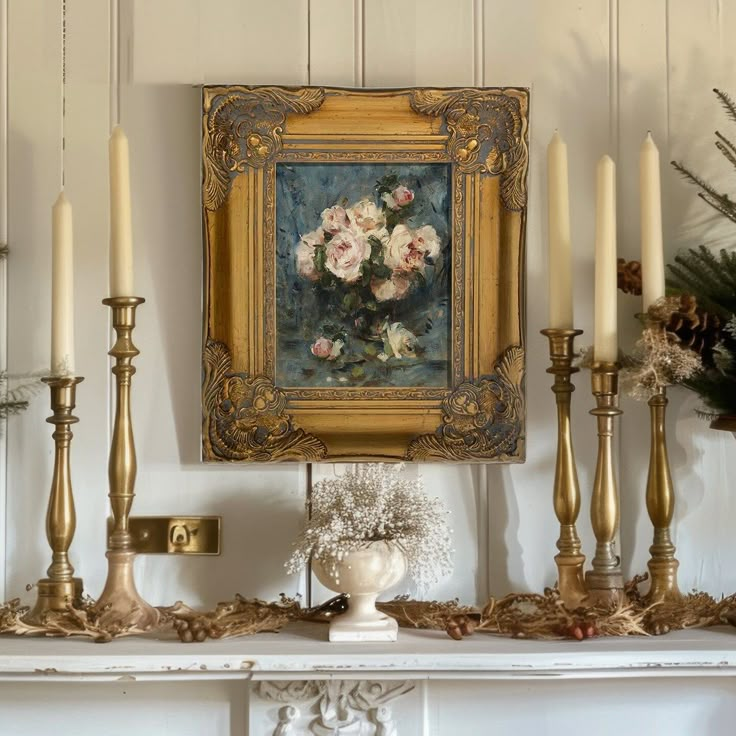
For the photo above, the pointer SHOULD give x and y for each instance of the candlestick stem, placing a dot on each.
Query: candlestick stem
(661, 506)
(60, 590)
(120, 603)
(605, 580)
(566, 494)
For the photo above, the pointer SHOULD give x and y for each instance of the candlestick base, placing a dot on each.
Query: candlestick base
(54, 596)
(120, 609)
(605, 581)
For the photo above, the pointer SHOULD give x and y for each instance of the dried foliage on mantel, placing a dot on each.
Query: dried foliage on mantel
(517, 615)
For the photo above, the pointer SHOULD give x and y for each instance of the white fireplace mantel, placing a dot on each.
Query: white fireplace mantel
(302, 652)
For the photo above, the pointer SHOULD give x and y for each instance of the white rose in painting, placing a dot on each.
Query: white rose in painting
(400, 253)
(395, 287)
(399, 341)
(305, 254)
(345, 253)
(334, 219)
(427, 241)
(366, 216)
(407, 249)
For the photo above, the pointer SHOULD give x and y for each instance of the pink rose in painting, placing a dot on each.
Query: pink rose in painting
(395, 287)
(334, 219)
(366, 216)
(399, 197)
(305, 254)
(327, 349)
(345, 253)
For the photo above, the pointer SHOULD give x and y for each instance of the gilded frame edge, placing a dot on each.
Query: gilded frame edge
(270, 433)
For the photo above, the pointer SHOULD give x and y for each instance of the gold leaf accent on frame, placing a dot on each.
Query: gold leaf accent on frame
(245, 416)
(487, 133)
(242, 127)
(482, 420)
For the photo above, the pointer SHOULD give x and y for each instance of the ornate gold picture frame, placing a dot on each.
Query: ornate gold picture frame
(364, 265)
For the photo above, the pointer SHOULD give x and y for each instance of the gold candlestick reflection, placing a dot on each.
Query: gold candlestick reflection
(60, 590)
(120, 604)
(605, 580)
(566, 495)
(661, 505)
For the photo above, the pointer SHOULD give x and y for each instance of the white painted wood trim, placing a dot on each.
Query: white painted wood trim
(303, 653)
(3, 278)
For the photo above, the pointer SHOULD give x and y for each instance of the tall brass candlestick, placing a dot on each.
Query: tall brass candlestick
(661, 505)
(605, 580)
(60, 589)
(120, 604)
(566, 496)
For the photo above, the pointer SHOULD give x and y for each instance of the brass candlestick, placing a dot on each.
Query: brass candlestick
(661, 505)
(120, 605)
(566, 495)
(60, 590)
(605, 581)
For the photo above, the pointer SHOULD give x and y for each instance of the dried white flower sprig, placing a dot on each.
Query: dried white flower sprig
(373, 503)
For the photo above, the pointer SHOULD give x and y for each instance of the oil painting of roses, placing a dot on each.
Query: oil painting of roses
(363, 261)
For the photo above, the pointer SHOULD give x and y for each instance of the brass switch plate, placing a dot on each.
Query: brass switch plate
(177, 535)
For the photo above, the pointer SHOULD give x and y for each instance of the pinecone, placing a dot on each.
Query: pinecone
(629, 276)
(694, 327)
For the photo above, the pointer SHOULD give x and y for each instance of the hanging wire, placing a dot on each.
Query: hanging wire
(63, 92)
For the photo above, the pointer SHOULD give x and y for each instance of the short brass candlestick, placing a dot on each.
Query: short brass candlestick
(60, 590)
(661, 505)
(605, 581)
(566, 495)
(120, 604)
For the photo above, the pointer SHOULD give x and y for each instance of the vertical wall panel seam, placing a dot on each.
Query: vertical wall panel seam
(4, 64)
(613, 78)
(479, 44)
(667, 72)
(359, 45)
(309, 42)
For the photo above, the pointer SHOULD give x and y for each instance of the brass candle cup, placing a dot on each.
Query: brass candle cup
(60, 591)
(605, 580)
(566, 493)
(120, 605)
(660, 506)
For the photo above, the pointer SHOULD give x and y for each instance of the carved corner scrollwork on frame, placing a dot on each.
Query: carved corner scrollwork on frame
(242, 127)
(245, 416)
(482, 419)
(487, 133)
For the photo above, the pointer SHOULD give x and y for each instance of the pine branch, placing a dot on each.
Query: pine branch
(726, 148)
(727, 103)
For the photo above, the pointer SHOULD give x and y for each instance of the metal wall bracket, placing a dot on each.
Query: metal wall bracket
(178, 535)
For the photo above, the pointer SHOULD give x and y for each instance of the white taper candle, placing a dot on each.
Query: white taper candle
(652, 251)
(605, 346)
(62, 289)
(560, 247)
(121, 239)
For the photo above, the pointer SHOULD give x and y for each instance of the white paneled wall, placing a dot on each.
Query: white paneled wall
(602, 71)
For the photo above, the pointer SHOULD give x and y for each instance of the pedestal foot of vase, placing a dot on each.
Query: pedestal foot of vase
(363, 622)
(363, 574)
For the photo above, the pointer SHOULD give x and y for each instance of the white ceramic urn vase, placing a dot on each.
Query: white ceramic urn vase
(363, 574)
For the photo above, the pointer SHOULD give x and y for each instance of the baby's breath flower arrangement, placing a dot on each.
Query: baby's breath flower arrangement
(374, 503)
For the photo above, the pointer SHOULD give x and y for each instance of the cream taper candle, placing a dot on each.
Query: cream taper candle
(560, 249)
(121, 239)
(62, 289)
(605, 345)
(652, 251)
